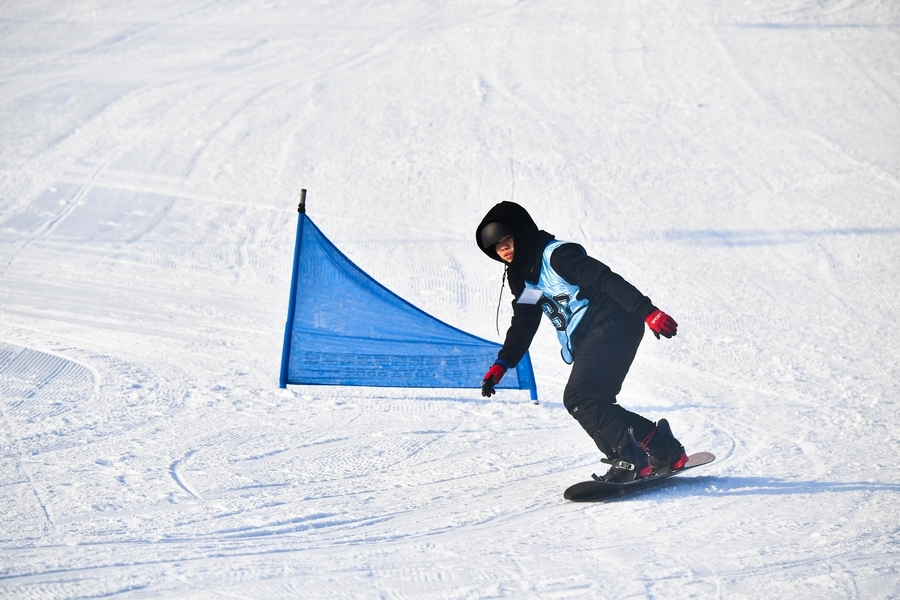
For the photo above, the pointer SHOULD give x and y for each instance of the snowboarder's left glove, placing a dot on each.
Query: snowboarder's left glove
(492, 378)
(661, 323)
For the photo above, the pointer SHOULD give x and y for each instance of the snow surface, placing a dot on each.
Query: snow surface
(738, 161)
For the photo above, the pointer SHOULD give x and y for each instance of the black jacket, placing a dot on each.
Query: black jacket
(610, 296)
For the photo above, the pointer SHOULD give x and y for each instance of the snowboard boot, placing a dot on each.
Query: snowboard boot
(630, 462)
(666, 453)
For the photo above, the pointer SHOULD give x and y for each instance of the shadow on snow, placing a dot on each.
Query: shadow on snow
(768, 486)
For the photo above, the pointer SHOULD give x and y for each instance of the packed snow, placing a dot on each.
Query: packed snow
(739, 162)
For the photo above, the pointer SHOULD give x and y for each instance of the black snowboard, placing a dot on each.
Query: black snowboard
(598, 491)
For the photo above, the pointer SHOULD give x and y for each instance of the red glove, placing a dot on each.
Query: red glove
(661, 323)
(492, 378)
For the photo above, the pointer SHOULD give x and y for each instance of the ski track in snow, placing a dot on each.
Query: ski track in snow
(738, 164)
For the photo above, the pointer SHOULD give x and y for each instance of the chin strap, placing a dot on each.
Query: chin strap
(500, 299)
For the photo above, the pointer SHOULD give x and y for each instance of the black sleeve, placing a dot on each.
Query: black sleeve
(525, 321)
(576, 267)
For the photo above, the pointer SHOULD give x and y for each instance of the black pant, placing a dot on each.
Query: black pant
(602, 359)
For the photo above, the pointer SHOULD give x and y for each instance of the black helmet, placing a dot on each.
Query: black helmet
(493, 233)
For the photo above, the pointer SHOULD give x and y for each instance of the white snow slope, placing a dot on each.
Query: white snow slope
(739, 162)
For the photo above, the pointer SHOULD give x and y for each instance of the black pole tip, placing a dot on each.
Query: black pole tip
(301, 208)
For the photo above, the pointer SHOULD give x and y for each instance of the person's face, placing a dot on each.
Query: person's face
(504, 249)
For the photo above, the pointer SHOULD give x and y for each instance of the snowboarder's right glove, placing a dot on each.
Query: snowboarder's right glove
(661, 323)
(492, 378)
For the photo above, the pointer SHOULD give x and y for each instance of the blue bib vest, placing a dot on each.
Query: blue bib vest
(558, 301)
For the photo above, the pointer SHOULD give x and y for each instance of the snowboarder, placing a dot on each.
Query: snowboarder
(599, 319)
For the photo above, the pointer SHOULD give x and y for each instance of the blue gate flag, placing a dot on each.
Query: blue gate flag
(345, 328)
